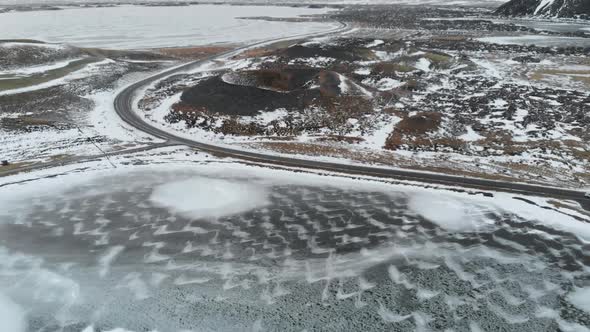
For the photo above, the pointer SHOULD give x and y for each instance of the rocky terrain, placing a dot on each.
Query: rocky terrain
(407, 86)
(55, 100)
(546, 8)
(428, 95)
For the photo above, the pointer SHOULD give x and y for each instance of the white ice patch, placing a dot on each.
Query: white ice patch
(12, 316)
(448, 212)
(201, 197)
(107, 259)
(580, 298)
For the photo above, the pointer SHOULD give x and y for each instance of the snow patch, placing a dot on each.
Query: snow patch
(580, 298)
(201, 197)
(375, 43)
(423, 64)
(471, 135)
(12, 316)
(449, 212)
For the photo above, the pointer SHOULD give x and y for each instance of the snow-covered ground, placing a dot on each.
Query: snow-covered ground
(129, 27)
(85, 133)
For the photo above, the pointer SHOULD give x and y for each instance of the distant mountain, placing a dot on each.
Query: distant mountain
(546, 8)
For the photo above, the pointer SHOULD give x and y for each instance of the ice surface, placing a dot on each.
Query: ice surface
(201, 197)
(449, 213)
(310, 243)
(12, 316)
(126, 27)
(581, 298)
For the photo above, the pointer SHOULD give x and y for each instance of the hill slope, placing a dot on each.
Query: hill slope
(546, 8)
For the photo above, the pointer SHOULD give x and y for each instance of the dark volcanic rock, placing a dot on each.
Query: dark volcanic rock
(218, 96)
(341, 52)
(551, 8)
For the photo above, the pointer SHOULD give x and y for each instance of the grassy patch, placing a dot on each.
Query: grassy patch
(59, 157)
(11, 167)
(23, 82)
(437, 59)
(390, 68)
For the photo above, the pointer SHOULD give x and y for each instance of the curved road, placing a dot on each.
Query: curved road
(124, 107)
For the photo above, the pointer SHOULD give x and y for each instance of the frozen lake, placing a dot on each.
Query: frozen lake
(231, 248)
(549, 25)
(130, 27)
(538, 40)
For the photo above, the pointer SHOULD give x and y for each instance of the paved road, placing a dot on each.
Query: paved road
(124, 108)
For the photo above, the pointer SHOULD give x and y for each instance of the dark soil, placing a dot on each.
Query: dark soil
(342, 51)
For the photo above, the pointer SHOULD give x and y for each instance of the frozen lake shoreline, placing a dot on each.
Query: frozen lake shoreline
(136, 27)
